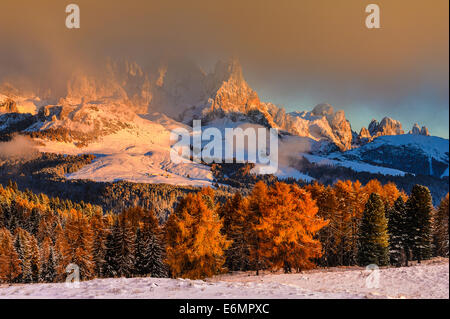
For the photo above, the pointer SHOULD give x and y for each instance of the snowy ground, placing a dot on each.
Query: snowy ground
(429, 280)
(354, 165)
(140, 154)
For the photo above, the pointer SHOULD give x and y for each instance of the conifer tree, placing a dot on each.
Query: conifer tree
(398, 232)
(28, 252)
(9, 260)
(345, 223)
(441, 228)
(156, 255)
(99, 234)
(119, 257)
(373, 243)
(76, 244)
(292, 225)
(110, 267)
(326, 202)
(195, 245)
(235, 226)
(419, 208)
(48, 268)
(149, 247)
(258, 238)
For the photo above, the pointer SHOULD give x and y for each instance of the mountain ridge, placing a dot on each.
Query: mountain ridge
(184, 92)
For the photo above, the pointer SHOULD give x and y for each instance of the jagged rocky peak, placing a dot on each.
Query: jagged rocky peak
(387, 126)
(416, 130)
(364, 133)
(8, 105)
(117, 82)
(14, 100)
(322, 123)
(425, 131)
(184, 91)
(233, 94)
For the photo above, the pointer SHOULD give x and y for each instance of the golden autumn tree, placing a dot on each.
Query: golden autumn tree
(195, 244)
(27, 249)
(258, 237)
(291, 224)
(9, 260)
(76, 244)
(326, 203)
(390, 194)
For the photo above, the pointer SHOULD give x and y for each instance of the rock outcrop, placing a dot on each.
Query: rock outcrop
(387, 126)
(8, 106)
(416, 130)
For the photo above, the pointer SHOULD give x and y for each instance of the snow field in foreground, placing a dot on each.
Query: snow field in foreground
(428, 280)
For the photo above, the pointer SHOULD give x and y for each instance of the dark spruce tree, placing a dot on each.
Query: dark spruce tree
(119, 257)
(419, 207)
(110, 267)
(373, 239)
(48, 269)
(124, 246)
(398, 234)
(149, 249)
(441, 228)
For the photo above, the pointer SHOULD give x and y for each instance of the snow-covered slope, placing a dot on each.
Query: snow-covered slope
(139, 152)
(428, 280)
(185, 92)
(418, 154)
(322, 123)
(387, 126)
(356, 166)
(104, 112)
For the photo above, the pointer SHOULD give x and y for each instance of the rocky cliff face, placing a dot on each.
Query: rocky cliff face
(386, 127)
(119, 82)
(416, 130)
(322, 123)
(8, 106)
(225, 93)
(104, 102)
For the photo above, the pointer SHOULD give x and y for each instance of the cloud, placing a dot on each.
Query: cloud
(297, 53)
(20, 147)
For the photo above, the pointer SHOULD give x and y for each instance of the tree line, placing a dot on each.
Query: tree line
(276, 226)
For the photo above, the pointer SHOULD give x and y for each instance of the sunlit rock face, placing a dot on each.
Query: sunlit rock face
(8, 106)
(110, 98)
(416, 130)
(226, 94)
(387, 126)
(119, 82)
(323, 123)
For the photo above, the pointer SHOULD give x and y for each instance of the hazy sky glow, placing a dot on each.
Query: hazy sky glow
(294, 53)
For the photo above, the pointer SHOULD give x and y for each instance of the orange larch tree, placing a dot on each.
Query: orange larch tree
(76, 244)
(9, 259)
(195, 244)
(291, 223)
